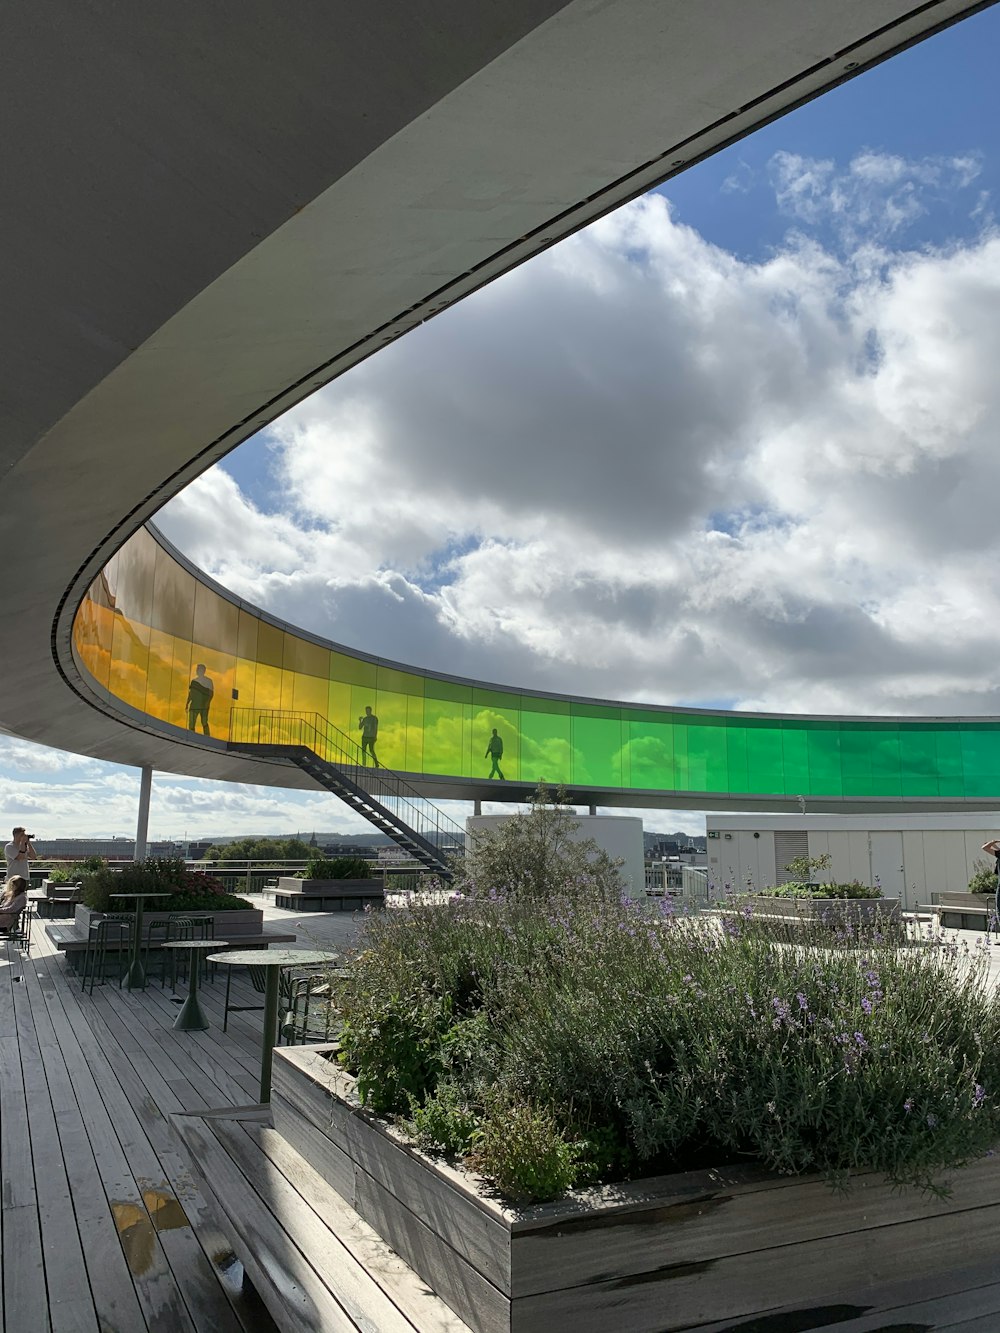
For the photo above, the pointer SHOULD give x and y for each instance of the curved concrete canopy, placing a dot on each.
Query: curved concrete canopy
(207, 217)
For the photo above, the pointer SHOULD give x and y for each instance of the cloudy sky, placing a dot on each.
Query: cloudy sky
(734, 446)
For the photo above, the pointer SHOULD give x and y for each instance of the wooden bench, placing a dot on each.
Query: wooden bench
(328, 900)
(70, 939)
(966, 916)
(312, 1260)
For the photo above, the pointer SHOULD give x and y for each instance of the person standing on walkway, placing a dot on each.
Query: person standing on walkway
(369, 735)
(993, 849)
(18, 854)
(494, 751)
(201, 691)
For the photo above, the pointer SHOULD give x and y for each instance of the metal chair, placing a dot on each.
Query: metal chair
(311, 1015)
(112, 934)
(20, 928)
(157, 932)
(258, 979)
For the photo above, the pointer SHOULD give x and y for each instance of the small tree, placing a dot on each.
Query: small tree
(805, 867)
(534, 854)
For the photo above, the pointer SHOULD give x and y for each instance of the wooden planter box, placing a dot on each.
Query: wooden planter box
(819, 909)
(328, 895)
(965, 911)
(242, 921)
(650, 1256)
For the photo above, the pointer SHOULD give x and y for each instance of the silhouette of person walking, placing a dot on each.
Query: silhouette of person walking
(369, 735)
(200, 694)
(494, 751)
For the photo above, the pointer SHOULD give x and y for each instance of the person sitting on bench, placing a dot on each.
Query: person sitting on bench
(13, 901)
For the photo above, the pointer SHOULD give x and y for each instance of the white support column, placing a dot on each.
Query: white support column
(142, 824)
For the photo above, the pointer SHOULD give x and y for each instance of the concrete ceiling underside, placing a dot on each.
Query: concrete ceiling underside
(211, 211)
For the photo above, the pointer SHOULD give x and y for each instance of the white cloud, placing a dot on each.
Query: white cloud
(640, 467)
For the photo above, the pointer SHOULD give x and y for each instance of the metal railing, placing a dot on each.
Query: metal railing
(312, 731)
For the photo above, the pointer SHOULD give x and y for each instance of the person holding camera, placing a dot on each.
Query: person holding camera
(19, 852)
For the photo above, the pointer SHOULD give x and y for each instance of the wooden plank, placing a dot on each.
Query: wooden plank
(296, 1296)
(159, 1296)
(406, 1289)
(216, 1251)
(193, 1273)
(71, 1308)
(25, 1300)
(447, 1272)
(914, 1301)
(362, 1298)
(112, 1289)
(843, 1270)
(719, 1224)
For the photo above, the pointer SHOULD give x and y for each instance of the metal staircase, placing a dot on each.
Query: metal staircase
(334, 760)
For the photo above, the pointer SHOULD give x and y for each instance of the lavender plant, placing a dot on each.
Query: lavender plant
(567, 1038)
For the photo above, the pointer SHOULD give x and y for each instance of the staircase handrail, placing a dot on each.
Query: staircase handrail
(379, 780)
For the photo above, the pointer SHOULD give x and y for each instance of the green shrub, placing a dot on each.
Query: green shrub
(984, 878)
(188, 890)
(852, 889)
(337, 867)
(523, 1151)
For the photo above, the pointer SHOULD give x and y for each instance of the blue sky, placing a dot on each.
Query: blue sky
(756, 415)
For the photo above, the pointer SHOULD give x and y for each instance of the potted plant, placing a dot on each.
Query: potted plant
(189, 893)
(330, 884)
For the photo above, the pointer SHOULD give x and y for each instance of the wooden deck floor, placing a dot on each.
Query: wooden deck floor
(102, 1229)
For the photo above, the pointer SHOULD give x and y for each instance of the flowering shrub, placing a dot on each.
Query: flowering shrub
(984, 878)
(190, 890)
(852, 889)
(573, 1039)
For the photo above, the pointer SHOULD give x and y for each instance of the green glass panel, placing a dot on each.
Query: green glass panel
(597, 746)
(353, 671)
(736, 758)
(310, 694)
(415, 732)
(546, 740)
(795, 761)
(495, 708)
(886, 774)
(447, 734)
(305, 658)
(390, 708)
(651, 751)
(918, 762)
(824, 761)
(765, 766)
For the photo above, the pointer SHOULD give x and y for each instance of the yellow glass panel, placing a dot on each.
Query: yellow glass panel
(390, 708)
(180, 679)
(220, 669)
(310, 694)
(129, 662)
(267, 687)
(159, 675)
(270, 645)
(306, 658)
(173, 598)
(136, 570)
(216, 621)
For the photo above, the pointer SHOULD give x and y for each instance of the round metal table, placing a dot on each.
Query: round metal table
(272, 960)
(135, 977)
(192, 1017)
